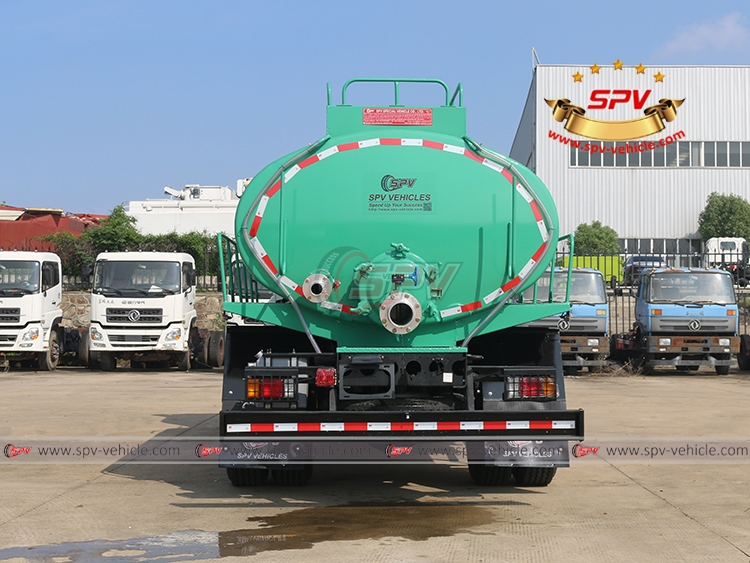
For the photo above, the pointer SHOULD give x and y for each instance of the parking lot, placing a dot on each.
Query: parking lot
(68, 509)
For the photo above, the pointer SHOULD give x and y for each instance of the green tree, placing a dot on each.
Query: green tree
(595, 239)
(725, 215)
(116, 233)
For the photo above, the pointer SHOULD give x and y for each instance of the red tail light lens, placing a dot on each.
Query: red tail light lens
(538, 388)
(325, 377)
(270, 388)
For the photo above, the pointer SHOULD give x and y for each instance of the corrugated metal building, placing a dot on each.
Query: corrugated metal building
(643, 181)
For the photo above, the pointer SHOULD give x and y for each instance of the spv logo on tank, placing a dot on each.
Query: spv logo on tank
(389, 183)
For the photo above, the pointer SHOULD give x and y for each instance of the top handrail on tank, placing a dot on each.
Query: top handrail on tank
(396, 82)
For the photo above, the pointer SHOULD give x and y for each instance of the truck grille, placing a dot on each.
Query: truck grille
(134, 316)
(139, 338)
(10, 315)
(707, 325)
(7, 340)
(136, 340)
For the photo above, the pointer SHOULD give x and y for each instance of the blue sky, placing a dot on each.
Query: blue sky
(106, 102)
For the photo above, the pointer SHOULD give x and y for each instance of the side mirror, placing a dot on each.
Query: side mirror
(613, 282)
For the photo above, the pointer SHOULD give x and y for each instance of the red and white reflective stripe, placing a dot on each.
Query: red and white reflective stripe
(259, 215)
(336, 307)
(291, 285)
(535, 210)
(263, 255)
(460, 425)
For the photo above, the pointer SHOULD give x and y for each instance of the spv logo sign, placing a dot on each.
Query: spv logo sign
(608, 99)
(389, 183)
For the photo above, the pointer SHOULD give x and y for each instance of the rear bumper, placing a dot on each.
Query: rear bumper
(520, 438)
(416, 426)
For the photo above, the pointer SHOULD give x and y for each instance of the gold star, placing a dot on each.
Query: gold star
(640, 68)
(577, 77)
(595, 69)
(618, 64)
(659, 77)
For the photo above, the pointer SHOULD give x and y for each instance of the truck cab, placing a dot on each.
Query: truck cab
(143, 308)
(685, 318)
(30, 314)
(584, 330)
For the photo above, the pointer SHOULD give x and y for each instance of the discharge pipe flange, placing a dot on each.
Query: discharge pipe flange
(400, 313)
(317, 288)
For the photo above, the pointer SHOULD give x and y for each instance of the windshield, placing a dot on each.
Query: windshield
(585, 287)
(18, 277)
(137, 278)
(691, 287)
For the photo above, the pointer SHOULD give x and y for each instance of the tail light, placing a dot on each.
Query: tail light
(537, 388)
(270, 388)
(325, 377)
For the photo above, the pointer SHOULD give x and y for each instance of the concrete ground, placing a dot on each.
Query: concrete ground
(644, 510)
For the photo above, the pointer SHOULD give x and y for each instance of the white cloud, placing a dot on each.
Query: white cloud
(720, 36)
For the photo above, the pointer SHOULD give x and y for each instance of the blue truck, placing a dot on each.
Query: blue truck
(685, 318)
(584, 329)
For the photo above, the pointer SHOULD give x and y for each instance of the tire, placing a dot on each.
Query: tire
(490, 475)
(247, 476)
(84, 347)
(534, 476)
(722, 370)
(107, 361)
(743, 361)
(48, 360)
(570, 370)
(292, 476)
(183, 363)
(215, 349)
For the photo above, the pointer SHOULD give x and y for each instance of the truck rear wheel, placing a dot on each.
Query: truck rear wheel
(48, 360)
(107, 361)
(490, 475)
(247, 476)
(534, 476)
(297, 476)
(216, 349)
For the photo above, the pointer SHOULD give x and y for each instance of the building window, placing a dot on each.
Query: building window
(682, 154)
(647, 158)
(596, 156)
(659, 156)
(621, 157)
(671, 151)
(721, 154)
(583, 157)
(697, 150)
(734, 154)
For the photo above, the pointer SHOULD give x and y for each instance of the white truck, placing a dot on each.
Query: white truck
(30, 314)
(730, 254)
(143, 310)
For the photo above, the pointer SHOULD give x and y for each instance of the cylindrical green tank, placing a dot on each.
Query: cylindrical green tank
(396, 229)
